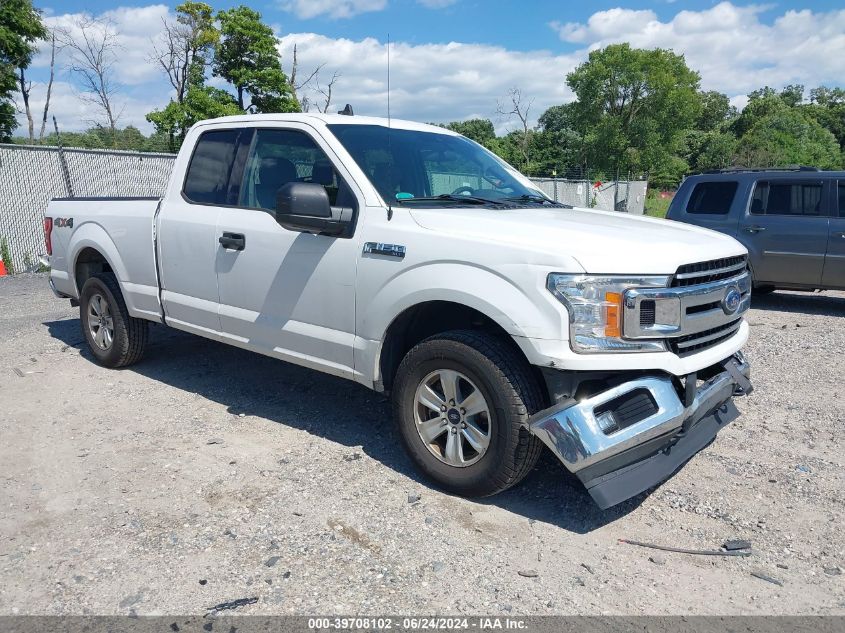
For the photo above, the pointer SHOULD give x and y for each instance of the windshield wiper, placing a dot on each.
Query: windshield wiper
(533, 198)
(448, 197)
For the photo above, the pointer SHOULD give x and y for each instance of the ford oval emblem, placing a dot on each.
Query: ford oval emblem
(730, 304)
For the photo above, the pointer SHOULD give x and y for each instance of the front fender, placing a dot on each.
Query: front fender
(520, 306)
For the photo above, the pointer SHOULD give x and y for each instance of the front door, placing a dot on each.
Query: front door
(834, 259)
(285, 293)
(785, 231)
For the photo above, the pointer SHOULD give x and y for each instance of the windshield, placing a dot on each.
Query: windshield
(412, 166)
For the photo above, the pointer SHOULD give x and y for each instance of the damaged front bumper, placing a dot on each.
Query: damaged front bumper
(631, 437)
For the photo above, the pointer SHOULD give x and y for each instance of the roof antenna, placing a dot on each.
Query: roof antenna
(389, 148)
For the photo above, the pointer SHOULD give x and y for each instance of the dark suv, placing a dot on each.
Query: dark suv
(791, 221)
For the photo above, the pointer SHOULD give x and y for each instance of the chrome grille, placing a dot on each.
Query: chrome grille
(706, 272)
(702, 307)
(686, 345)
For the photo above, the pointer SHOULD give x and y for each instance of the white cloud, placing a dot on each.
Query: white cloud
(609, 24)
(135, 28)
(306, 9)
(731, 46)
(73, 114)
(431, 82)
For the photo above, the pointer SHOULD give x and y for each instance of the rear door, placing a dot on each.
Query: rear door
(187, 234)
(834, 260)
(785, 231)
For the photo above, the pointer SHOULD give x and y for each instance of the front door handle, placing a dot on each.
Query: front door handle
(233, 241)
(842, 234)
(754, 229)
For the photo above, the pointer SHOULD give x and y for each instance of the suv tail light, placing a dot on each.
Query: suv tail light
(48, 237)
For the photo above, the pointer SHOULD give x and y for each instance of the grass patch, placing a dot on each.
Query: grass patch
(656, 207)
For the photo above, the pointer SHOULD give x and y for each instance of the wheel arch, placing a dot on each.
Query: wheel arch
(93, 251)
(428, 318)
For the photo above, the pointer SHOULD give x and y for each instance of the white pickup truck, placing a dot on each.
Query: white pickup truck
(413, 261)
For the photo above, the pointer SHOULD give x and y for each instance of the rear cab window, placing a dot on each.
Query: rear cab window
(712, 198)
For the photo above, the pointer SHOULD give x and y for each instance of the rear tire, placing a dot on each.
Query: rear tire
(114, 338)
(494, 448)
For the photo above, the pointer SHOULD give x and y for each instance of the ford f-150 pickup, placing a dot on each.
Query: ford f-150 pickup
(412, 260)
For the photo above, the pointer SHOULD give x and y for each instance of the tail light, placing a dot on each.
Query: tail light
(48, 235)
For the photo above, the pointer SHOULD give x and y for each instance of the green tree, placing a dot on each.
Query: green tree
(20, 28)
(827, 97)
(667, 172)
(200, 102)
(247, 57)
(716, 110)
(187, 45)
(479, 130)
(788, 137)
(129, 138)
(706, 150)
(184, 54)
(558, 146)
(633, 106)
(827, 106)
(792, 95)
(766, 102)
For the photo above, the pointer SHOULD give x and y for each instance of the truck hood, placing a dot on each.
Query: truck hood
(601, 241)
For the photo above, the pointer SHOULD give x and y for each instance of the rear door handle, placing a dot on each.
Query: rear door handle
(233, 241)
(754, 229)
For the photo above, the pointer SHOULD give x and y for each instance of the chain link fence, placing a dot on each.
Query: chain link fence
(30, 176)
(626, 196)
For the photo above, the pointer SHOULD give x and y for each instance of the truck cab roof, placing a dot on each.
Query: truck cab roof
(325, 119)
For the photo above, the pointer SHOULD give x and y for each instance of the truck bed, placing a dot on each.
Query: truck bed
(122, 230)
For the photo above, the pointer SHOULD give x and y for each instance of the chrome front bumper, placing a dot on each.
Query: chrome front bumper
(573, 433)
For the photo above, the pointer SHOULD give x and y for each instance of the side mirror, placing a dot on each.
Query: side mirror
(305, 207)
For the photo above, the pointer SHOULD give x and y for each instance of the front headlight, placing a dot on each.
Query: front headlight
(594, 303)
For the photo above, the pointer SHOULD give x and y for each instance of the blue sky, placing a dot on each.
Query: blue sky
(520, 25)
(453, 59)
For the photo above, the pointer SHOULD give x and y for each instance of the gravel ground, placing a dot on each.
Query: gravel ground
(206, 474)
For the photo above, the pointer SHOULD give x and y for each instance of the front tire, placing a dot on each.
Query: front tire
(461, 401)
(114, 338)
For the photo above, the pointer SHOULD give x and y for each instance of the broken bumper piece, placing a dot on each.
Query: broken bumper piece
(638, 434)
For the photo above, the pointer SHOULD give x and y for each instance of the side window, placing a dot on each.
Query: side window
(278, 157)
(784, 197)
(712, 198)
(207, 178)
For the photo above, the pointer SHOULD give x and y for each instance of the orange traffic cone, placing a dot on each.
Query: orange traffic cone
(2, 266)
